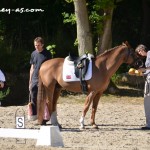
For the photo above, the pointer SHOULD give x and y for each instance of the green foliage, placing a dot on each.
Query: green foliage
(97, 22)
(96, 18)
(115, 78)
(76, 42)
(17, 31)
(97, 14)
(122, 69)
(51, 49)
(96, 49)
(103, 4)
(4, 94)
(69, 18)
(69, 1)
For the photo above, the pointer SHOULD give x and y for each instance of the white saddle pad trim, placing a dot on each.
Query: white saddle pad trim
(69, 74)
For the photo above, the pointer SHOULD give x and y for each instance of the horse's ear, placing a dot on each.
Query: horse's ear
(123, 43)
(127, 43)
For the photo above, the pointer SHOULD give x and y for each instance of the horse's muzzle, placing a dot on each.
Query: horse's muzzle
(138, 63)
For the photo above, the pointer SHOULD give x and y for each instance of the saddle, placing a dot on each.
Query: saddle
(81, 66)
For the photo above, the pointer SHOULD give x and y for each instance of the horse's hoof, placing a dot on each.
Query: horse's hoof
(60, 126)
(43, 123)
(94, 126)
(57, 124)
(82, 128)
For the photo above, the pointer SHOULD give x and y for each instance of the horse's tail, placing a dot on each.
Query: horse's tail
(40, 101)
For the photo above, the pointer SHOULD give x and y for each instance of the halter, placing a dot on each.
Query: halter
(136, 59)
(137, 62)
(129, 53)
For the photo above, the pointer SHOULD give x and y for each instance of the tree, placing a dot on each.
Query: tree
(101, 14)
(106, 38)
(84, 36)
(83, 30)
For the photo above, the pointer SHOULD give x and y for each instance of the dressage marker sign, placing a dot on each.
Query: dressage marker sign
(20, 123)
(46, 136)
(20, 118)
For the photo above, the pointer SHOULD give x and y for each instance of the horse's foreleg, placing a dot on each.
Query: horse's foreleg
(94, 108)
(50, 92)
(40, 107)
(54, 120)
(40, 101)
(49, 102)
(87, 103)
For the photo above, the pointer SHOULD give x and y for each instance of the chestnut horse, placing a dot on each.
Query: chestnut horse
(103, 67)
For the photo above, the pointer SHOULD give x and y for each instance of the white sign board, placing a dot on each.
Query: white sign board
(20, 124)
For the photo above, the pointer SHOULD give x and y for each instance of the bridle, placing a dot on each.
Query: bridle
(130, 52)
(135, 58)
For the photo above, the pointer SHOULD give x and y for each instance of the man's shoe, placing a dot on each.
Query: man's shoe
(41, 124)
(145, 128)
(32, 118)
(44, 122)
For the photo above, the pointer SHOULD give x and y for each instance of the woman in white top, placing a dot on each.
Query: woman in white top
(144, 52)
(2, 79)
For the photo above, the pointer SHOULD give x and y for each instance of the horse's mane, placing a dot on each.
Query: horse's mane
(109, 50)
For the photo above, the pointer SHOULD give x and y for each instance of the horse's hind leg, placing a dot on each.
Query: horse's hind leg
(49, 100)
(41, 101)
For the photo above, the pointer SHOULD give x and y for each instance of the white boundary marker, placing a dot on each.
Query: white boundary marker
(19, 133)
(46, 136)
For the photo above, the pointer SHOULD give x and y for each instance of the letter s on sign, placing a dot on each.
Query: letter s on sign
(20, 122)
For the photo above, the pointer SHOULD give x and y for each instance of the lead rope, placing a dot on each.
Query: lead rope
(29, 109)
(129, 51)
(137, 84)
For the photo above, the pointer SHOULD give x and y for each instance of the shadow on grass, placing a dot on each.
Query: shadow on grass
(131, 92)
(107, 127)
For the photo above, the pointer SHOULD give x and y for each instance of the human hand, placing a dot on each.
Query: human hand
(141, 69)
(1, 84)
(138, 73)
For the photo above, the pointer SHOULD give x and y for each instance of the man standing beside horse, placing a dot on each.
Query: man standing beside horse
(38, 56)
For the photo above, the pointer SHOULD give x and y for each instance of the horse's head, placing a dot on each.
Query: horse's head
(132, 58)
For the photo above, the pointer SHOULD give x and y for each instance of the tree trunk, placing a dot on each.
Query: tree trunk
(84, 35)
(105, 41)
